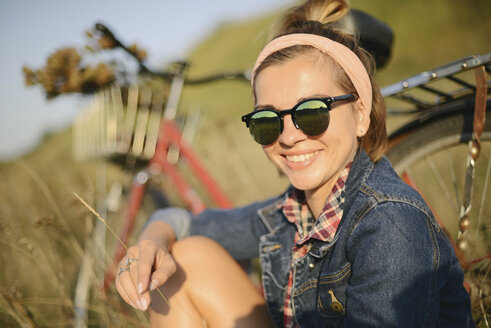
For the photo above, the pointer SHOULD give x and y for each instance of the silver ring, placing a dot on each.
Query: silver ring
(123, 269)
(129, 261)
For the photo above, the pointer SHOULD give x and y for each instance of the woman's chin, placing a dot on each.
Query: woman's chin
(304, 184)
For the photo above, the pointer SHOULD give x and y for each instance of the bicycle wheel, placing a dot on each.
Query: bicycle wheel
(433, 157)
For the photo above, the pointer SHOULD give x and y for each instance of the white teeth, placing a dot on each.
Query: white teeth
(300, 158)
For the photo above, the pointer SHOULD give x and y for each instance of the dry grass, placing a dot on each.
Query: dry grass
(44, 234)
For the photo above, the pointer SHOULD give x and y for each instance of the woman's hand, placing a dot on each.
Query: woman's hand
(145, 267)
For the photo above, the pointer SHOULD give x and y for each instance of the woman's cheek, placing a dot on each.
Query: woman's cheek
(268, 150)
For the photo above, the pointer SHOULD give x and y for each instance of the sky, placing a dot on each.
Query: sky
(30, 30)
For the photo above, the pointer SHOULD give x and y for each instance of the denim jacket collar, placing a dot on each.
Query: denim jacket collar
(360, 170)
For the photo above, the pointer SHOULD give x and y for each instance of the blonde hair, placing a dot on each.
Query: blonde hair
(322, 11)
(322, 17)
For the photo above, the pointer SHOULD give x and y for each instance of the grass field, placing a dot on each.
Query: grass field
(46, 234)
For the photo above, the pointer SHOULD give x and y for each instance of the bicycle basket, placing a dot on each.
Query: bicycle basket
(119, 122)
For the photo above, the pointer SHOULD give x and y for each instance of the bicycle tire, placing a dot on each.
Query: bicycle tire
(437, 150)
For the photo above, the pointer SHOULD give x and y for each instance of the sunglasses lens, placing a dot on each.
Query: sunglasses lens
(265, 127)
(312, 117)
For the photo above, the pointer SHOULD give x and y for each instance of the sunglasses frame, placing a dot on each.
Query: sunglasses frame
(281, 113)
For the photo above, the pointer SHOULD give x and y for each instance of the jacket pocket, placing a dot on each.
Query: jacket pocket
(273, 260)
(331, 296)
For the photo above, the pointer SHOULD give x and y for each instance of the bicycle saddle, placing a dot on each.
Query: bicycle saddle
(374, 35)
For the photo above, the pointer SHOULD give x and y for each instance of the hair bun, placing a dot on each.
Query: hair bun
(321, 11)
(312, 24)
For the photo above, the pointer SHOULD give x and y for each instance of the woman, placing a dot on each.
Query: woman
(348, 244)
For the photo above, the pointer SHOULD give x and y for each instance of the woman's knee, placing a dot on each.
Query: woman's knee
(196, 249)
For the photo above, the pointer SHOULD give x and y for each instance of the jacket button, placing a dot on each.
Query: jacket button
(311, 265)
(336, 307)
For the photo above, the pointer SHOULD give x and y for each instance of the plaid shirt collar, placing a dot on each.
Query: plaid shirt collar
(297, 211)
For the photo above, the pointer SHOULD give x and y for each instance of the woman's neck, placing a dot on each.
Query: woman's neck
(316, 198)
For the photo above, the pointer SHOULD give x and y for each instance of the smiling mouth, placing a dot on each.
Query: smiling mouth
(301, 158)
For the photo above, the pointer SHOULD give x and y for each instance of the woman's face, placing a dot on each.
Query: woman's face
(312, 164)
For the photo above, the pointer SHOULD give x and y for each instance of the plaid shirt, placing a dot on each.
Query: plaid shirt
(297, 211)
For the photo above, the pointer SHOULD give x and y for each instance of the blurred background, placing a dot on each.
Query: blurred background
(47, 240)
(34, 30)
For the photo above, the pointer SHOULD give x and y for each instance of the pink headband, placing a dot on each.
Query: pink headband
(341, 54)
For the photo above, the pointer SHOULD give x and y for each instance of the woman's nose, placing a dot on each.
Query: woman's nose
(290, 135)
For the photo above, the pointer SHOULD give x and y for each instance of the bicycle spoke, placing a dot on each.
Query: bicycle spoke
(407, 177)
(454, 178)
(483, 197)
(442, 185)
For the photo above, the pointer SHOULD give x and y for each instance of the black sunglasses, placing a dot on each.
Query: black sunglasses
(310, 115)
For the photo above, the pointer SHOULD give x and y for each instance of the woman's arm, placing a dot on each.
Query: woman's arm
(237, 230)
(395, 256)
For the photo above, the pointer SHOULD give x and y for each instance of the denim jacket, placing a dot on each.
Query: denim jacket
(389, 264)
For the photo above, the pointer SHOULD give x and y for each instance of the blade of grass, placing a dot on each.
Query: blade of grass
(20, 313)
(115, 235)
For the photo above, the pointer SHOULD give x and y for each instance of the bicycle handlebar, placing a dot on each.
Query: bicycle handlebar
(118, 44)
(180, 65)
(228, 75)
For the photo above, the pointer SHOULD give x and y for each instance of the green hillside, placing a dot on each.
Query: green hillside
(44, 229)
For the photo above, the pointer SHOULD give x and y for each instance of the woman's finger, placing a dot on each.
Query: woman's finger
(122, 292)
(127, 280)
(147, 251)
(141, 301)
(166, 267)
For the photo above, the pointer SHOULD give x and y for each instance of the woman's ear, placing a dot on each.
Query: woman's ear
(363, 119)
